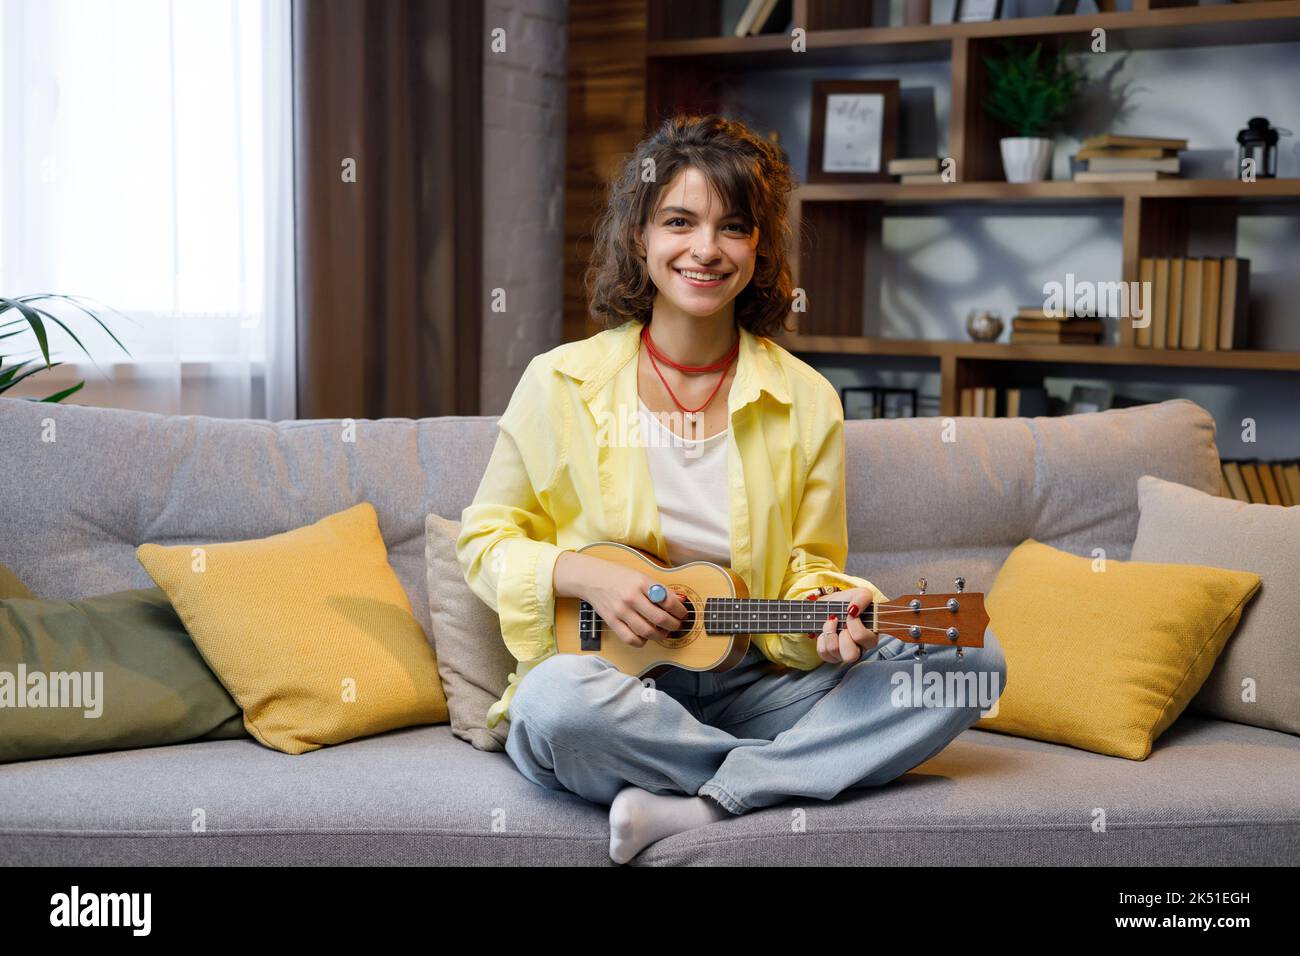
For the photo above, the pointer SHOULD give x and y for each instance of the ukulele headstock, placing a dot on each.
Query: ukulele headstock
(944, 620)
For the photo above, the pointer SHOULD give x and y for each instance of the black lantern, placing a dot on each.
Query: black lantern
(1258, 143)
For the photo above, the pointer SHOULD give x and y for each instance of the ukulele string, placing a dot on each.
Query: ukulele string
(835, 606)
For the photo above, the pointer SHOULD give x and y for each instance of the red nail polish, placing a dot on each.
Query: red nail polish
(853, 610)
(835, 617)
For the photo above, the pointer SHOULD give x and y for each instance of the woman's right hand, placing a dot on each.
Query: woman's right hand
(618, 595)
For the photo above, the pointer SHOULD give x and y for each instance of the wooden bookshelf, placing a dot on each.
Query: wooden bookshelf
(961, 364)
(1250, 359)
(695, 25)
(689, 67)
(631, 62)
(1263, 190)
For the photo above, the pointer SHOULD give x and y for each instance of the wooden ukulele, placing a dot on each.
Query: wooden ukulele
(721, 616)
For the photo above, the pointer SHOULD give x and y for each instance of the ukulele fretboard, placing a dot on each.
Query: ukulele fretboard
(729, 616)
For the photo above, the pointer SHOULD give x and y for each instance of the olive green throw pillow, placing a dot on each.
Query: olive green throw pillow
(112, 672)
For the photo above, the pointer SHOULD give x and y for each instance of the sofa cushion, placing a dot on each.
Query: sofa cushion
(1212, 793)
(309, 630)
(1257, 678)
(1106, 656)
(473, 659)
(140, 672)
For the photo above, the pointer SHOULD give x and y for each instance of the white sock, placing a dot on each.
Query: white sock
(638, 818)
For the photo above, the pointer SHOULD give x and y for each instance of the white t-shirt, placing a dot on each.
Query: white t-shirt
(690, 482)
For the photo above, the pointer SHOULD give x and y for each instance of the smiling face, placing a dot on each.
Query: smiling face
(700, 254)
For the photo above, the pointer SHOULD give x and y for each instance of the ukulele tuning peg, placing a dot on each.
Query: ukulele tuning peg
(959, 583)
(920, 585)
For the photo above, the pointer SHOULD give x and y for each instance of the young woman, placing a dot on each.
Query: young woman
(683, 429)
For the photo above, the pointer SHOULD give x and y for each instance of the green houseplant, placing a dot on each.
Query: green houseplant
(1031, 92)
(32, 317)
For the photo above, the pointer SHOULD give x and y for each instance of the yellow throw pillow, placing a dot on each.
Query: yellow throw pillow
(309, 630)
(1105, 655)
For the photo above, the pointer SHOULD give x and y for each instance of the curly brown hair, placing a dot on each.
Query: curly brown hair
(751, 174)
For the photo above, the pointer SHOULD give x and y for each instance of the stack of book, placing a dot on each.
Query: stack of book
(987, 401)
(1043, 327)
(1111, 158)
(1195, 304)
(1262, 482)
(923, 170)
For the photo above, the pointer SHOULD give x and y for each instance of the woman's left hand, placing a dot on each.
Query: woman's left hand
(847, 644)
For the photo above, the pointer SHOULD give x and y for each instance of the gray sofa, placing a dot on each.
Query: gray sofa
(74, 510)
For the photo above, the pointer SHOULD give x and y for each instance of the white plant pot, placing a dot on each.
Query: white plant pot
(1026, 159)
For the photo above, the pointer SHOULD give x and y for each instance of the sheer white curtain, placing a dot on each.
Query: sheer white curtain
(146, 162)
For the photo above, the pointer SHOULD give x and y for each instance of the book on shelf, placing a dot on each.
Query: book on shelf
(1174, 324)
(1159, 304)
(1190, 334)
(1271, 495)
(1290, 472)
(1236, 484)
(913, 166)
(1234, 303)
(921, 178)
(1195, 304)
(1124, 152)
(1034, 312)
(1032, 324)
(1262, 482)
(1250, 475)
(1056, 325)
(989, 401)
(979, 401)
(1122, 141)
(1054, 338)
(1147, 280)
(1131, 176)
(1120, 164)
(1211, 290)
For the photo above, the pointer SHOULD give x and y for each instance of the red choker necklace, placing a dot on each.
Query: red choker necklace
(723, 364)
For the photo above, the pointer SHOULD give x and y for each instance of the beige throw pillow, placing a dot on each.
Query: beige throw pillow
(473, 660)
(1257, 677)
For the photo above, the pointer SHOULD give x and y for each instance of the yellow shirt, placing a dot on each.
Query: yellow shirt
(559, 479)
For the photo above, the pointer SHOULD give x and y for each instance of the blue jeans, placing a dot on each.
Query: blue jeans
(752, 736)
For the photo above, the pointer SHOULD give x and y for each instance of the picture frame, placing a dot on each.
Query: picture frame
(854, 131)
(977, 11)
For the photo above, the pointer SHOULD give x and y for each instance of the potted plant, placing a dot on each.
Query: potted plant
(35, 318)
(1031, 93)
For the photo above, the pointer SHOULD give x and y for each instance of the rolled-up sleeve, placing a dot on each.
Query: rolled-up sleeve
(507, 544)
(820, 539)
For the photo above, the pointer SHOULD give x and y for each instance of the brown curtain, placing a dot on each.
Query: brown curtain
(388, 272)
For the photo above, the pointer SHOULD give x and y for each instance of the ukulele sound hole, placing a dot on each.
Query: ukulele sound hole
(686, 630)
